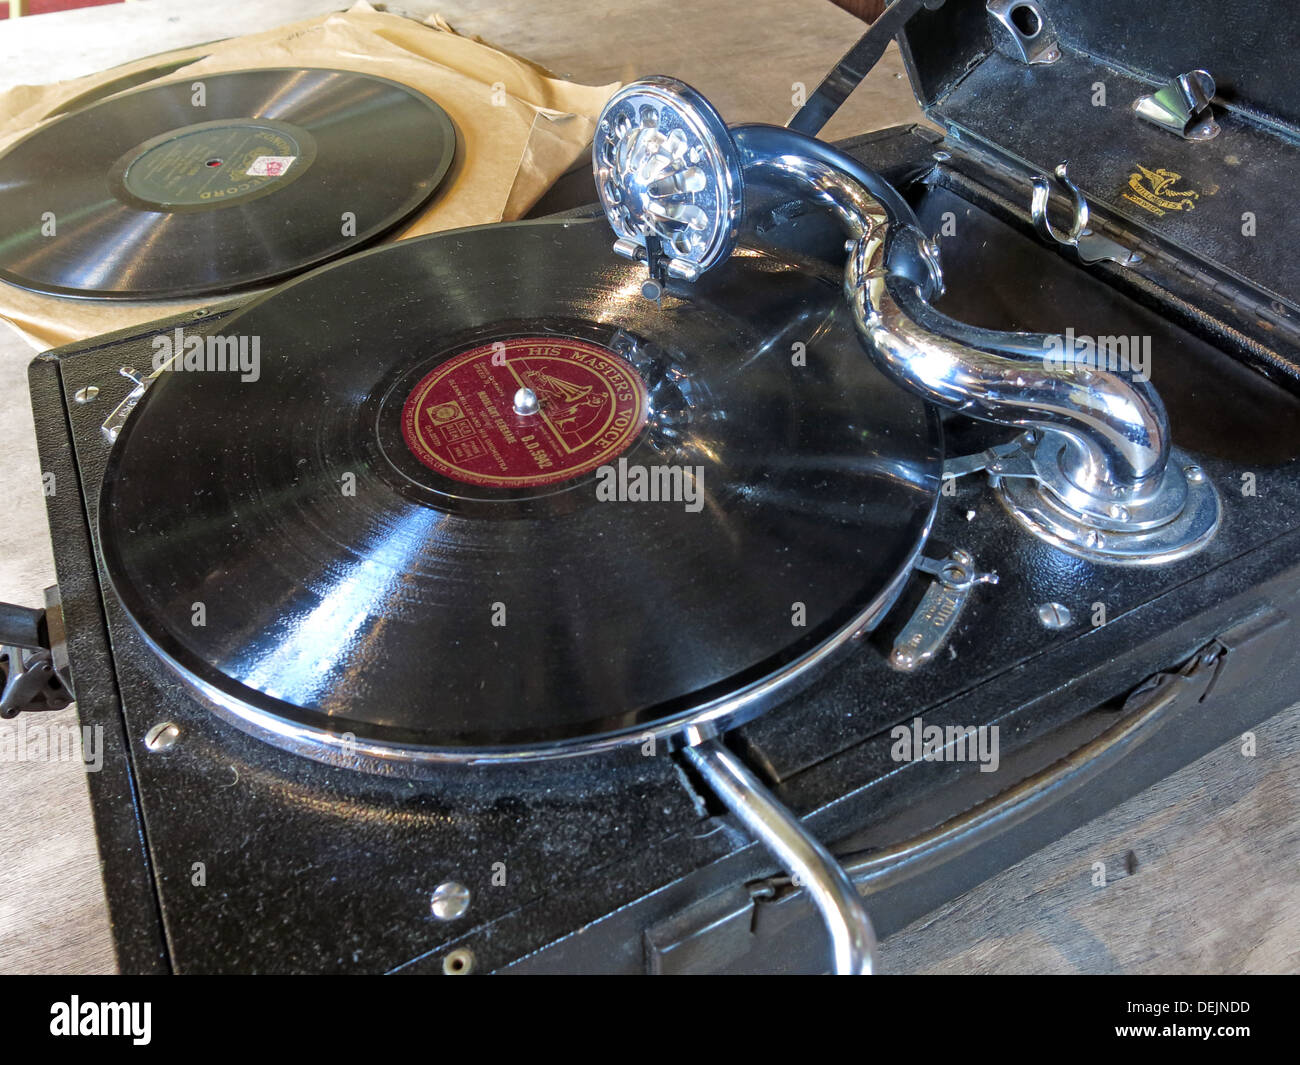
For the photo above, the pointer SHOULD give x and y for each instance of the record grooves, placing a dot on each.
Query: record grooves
(437, 618)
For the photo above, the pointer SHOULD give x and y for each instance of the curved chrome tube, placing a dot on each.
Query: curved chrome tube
(1113, 428)
(1093, 472)
(853, 942)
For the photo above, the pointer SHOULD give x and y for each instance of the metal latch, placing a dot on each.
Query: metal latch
(935, 618)
(113, 423)
(1182, 106)
(1020, 29)
(1089, 245)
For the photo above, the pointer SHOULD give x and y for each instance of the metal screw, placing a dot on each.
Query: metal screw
(1095, 540)
(460, 962)
(162, 736)
(1054, 615)
(1194, 474)
(85, 395)
(450, 900)
(1118, 512)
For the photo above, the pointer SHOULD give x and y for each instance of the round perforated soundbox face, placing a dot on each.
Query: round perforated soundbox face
(666, 169)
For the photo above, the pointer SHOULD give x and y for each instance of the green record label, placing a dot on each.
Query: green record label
(212, 164)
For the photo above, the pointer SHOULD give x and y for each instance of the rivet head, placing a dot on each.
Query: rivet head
(87, 394)
(1054, 615)
(162, 736)
(450, 900)
(459, 962)
(1194, 474)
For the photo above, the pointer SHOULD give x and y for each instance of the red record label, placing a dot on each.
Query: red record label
(461, 421)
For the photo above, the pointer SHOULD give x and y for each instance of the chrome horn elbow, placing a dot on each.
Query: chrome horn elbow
(1092, 472)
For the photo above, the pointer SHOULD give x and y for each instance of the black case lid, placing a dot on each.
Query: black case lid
(1222, 207)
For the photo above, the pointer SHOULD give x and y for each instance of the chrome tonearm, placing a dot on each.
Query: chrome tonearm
(1092, 472)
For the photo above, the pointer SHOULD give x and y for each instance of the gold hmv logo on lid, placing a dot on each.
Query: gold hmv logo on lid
(1153, 190)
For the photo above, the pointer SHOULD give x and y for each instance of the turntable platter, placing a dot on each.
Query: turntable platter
(373, 543)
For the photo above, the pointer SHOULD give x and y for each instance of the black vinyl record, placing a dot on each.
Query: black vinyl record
(363, 543)
(216, 182)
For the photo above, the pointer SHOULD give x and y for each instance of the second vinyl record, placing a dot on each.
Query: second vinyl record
(216, 183)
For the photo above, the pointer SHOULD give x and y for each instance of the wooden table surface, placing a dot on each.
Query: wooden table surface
(1214, 887)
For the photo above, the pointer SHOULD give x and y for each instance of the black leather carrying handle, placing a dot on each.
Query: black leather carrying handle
(1150, 708)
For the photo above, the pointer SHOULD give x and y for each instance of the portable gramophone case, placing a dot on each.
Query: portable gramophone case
(961, 543)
